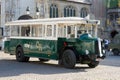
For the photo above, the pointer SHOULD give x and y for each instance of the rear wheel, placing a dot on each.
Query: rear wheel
(115, 52)
(93, 64)
(68, 59)
(20, 55)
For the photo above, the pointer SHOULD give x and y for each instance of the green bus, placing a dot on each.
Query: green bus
(69, 40)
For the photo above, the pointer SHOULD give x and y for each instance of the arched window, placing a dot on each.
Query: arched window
(53, 11)
(69, 11)
(83, 12)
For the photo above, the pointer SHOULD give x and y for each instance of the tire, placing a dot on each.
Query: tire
(60, 62)
(20, 55)
(93, 64)
(68, 59)
(43, 60)
(115, 52)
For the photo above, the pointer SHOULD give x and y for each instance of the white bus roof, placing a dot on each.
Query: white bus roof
(61, 20)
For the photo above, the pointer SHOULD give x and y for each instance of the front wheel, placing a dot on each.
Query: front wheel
(20, 55)
(68, 59)
(93, 64)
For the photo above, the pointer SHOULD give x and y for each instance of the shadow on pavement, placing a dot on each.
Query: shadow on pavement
(111, 61)
(14, 68)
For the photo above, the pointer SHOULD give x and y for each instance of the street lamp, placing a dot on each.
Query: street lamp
(37, 12)
(27, 10)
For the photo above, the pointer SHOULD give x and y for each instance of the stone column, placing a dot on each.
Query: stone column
(3, 14)
(46, 9)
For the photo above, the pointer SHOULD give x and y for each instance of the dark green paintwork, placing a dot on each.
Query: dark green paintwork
(112, 3)
(50, 49)
(6, 46)
(33, 48)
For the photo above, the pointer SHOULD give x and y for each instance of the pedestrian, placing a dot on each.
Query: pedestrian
(28, 31)
(106, 43)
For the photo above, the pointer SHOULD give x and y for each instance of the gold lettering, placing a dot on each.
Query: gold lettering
(39, 46)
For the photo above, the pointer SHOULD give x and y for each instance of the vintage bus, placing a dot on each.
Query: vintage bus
(69, 40)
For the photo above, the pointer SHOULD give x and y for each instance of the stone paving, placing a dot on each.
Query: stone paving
(10, 69)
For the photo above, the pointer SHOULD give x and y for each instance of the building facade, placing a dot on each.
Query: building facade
(31, 9)
(63, 8)
(98, 11)
(13, 9)
(21, 9)
(113, 17)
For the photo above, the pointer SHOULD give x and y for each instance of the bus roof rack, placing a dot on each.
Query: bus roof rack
(64, 20)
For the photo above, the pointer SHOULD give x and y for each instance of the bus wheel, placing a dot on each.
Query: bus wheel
(60, 62)
(68, 59)
(20, 55)
(43, 60)
(93, 64)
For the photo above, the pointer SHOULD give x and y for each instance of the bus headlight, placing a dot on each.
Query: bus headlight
(86, 52)
(104, 51)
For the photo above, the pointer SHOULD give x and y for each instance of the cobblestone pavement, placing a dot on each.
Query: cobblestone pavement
(109, 69)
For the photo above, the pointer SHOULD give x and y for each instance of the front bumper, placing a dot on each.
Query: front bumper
(100, 49)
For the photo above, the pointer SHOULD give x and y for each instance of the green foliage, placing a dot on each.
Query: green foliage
(112, 3)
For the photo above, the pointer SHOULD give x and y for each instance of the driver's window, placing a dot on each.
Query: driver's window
(81, 30)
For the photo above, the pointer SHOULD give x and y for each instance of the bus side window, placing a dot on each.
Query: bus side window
(69, 30)
(27, 31)
(79, 33)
